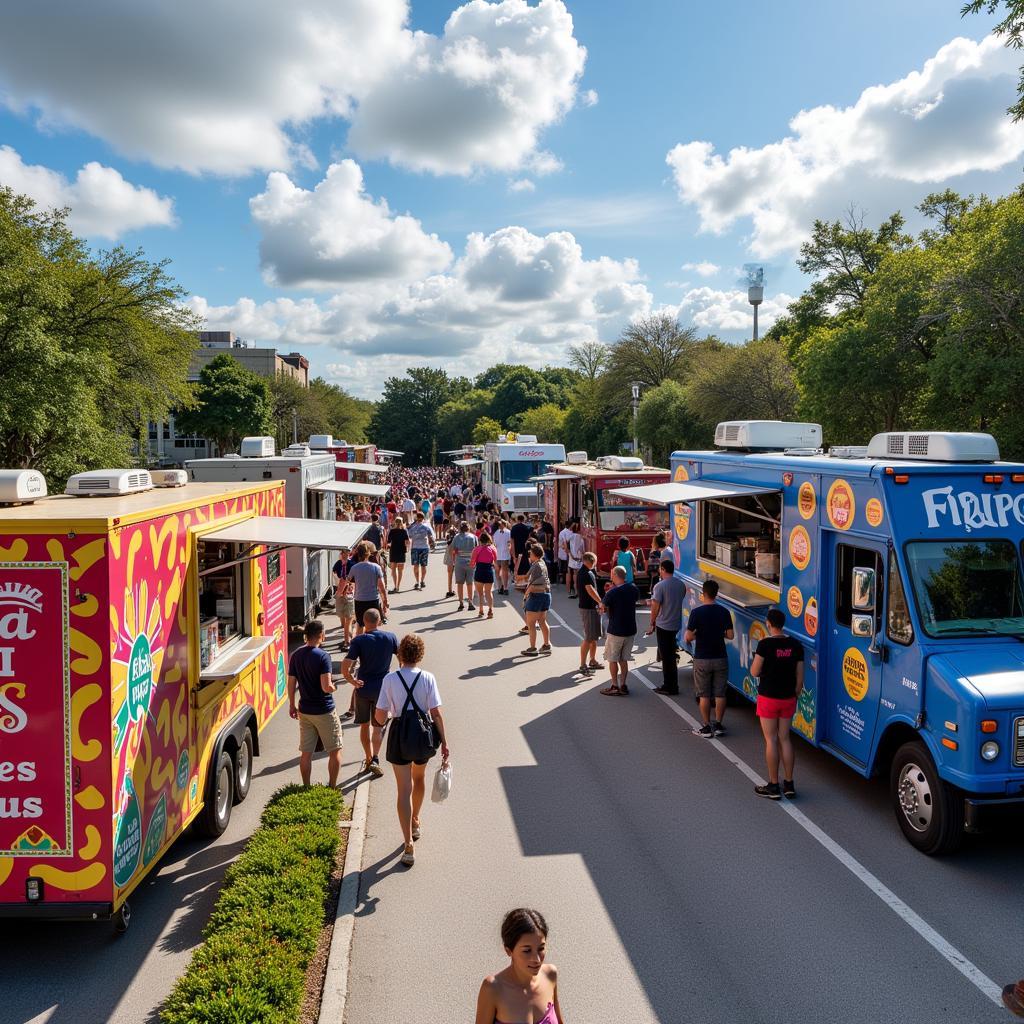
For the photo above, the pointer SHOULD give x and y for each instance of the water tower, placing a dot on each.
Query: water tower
(755, 288)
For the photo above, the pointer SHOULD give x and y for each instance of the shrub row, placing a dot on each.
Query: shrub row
(251, 967)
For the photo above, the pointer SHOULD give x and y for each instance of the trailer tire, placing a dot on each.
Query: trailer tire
(123, 918)
(216, 813)
(929, 811)
(243, 767)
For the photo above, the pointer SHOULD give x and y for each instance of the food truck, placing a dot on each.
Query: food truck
(345, 467)
(585, 490)
(143, 648)
(304, 474)
(508, 466)
(898, 566)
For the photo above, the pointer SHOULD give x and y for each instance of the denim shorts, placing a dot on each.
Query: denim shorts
(538, 602)
(420, 555)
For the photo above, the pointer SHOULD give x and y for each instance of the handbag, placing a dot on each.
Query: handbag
(442, 783)
(412, 736)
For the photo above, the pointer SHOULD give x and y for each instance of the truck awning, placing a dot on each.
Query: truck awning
(553, 476)
(467, 462)
(364, 467)
(690, 490)
(279, 531)
(385, 451)
(350, 487)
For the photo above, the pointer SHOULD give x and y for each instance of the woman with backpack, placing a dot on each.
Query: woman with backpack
(409, 697)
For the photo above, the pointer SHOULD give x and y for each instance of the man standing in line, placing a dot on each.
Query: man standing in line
(368, 581)
(575, 547)
(666, 618)
(590, 617)
(562, 554)
(421, 540)
(373, 649)
(503, 545)
(311, 702)
(620, 606)
(520, 535)
(708, 627)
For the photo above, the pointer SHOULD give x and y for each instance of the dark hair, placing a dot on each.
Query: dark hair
(313, 628)
(623, 543)
(485, 537)
(710, 589)
(520, 922)
(536, 549)
(668, 565)
(464, 526)
(776, 619)
(659, 539)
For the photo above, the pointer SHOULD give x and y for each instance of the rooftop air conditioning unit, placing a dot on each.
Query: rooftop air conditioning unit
(934, 446)
(321, 442)
(576, 458)
(526, 438)
(113, 482)
(256, 447)
(21, 486)
(622, 463)
(169, 477)
(297, 451)
(767, 435)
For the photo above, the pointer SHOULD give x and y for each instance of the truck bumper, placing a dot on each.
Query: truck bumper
(58, 911)
(978, 810)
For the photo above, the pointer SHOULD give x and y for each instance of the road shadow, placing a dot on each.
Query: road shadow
(374, 873)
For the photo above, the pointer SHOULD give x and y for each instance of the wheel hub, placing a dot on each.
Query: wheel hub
(223, 792)
(915, 796)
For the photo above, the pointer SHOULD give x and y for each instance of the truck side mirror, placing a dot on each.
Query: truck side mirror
(863, 596)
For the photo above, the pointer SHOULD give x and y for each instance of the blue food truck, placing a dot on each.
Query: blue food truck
(898, 566)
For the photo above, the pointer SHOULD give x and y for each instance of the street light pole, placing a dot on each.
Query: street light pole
(636, 409)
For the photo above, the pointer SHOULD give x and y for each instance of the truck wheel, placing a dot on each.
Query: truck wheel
(216, 813)
(930, 811)
(123, 918)
(243, 767)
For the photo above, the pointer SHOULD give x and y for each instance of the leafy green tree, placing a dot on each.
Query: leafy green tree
(546, 421)
(485, 430)
(343, 415)
(231, 403)
(521, 389)
(406, 417)
(666, 421)
(1011, 28)
(589, 359)
(650, 350)
(456, 419)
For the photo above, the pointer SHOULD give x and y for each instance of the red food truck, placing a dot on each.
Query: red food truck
(582, 489)
(356, 463)
(143, 648)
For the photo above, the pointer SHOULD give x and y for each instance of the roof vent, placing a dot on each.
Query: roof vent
(256, 447)
(169, 477)
(576, 458)
(620, 463)
(767, 435)
(21, 486)
(934, 446)
(297, 451)
(321, 442)
(526, 438)
(109, 482)
(848, 451)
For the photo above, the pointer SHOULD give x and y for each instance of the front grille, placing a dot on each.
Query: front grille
(525, 501)
(1018, 743)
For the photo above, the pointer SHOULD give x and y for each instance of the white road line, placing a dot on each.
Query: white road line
(946, 949)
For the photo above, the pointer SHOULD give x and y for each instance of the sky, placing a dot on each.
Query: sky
(381, 184)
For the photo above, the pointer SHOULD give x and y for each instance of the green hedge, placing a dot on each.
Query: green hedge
(251, 968)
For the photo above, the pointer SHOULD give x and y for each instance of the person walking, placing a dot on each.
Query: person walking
(416, 690)
(575, 547)
(464, 544)
(449, 557)
(369, 589)
(528, 988)
(482, 560)
(372, 650)
(421, 541)
(398, 544)
(666, 619)
(619, 604)
(536, 602)
(590, 617)
(778, 667)
(503, 546)
(343, 602)
(311, 703)
(520, 538)
(707, 628)
(562, 554)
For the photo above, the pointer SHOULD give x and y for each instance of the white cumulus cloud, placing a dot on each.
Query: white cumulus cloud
(590, 98)
(702, 269)
(102, 203)
(337, 233)
(946, 120)
(521, 185)
(713, 310)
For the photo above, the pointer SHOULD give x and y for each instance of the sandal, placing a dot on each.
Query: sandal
(490, 615)
(623, 691)
(610, 691)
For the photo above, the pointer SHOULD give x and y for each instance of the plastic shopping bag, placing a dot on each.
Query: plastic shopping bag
(442, 783)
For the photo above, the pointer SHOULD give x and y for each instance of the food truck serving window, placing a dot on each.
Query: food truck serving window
(967, 588)
(743, 532)
(618, 512)
(223, 598)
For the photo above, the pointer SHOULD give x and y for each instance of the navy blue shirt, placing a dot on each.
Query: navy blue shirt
(709, 622)
(307, 665)
(373, 651)
(621, 604)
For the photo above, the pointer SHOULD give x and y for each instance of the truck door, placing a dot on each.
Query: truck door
(852, 682)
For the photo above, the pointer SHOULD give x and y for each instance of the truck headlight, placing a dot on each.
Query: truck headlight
(990, 750)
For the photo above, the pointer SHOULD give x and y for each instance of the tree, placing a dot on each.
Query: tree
(406, 417)
(456, 419)
(589, 359)
(231, 403)
(666, 422)
(485, 430)
(1011, 28)
(344, 416)
(521, 389)
(546, 421)
(650, 350)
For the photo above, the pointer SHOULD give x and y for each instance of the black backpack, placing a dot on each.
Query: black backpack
(412, 736)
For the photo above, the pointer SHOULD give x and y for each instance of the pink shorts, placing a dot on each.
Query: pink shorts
(773, 707)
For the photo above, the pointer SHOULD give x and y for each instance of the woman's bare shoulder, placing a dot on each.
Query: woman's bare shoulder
(550, 972)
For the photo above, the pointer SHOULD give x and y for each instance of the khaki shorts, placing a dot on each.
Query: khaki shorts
(462, 574)
(326, 728)
(618, 648)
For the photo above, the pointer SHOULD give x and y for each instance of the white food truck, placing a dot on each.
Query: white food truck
(508, 466)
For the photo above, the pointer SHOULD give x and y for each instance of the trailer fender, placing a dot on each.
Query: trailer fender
(230, 736)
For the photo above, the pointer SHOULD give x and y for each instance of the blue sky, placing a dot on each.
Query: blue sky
(582, 180)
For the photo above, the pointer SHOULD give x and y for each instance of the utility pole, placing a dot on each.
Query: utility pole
(295, 426)
(636, 409)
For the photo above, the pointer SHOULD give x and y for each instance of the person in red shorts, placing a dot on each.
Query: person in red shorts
(778, 666)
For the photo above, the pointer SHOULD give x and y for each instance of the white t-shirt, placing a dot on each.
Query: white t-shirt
(456, 491)
(563, 542)
(502, 541)
(392, 693)
(577, 547)
(408, 505)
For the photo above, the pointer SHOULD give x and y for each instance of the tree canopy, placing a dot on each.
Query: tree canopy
(231, 402)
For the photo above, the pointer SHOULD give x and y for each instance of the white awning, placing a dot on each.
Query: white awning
(385, 451)
(451, 451)
(364, 467)
(350, 487)
(280, 531)
(690, 490)
(467, 462)
(553, 476)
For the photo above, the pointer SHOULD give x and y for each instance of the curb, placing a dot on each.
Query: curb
(335, 992)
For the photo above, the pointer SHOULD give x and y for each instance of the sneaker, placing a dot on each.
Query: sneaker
(545, 648)
(461, 607)
(409, 857)
(572, 593)
(705, 731)
(771, 791)
(470, 607)
(719, 728)
(788, 789)
(666, 693)
(345, 716)
(451, 593)
(530, 652)
(365, 768)
(374, 768)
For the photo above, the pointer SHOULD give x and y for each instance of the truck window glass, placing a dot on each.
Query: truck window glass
(223, 599)
(587, 512)
(273, 567)
(520, 472)
(899, 628)
(620, 513)
(967, 587)
(847, 559)
(743, 533)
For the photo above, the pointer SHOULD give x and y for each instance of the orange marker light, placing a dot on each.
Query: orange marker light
(993, 478)
(989, 725)
(901, 478)
(889, 471)
(1018, 478)
(947, 742)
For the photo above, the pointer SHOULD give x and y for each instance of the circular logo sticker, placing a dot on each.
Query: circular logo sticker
(681, 519)
(800, 547)
(806, 500)
(181, 777)
(758, 631)
(128, 839)
(140, 677)
(841, 505)
(811, 617)
(795, 602)
(873, 512)
(855, 673)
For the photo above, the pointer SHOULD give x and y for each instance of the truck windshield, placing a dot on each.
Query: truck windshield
(967, 588)
(520, 472)
(621, 513)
